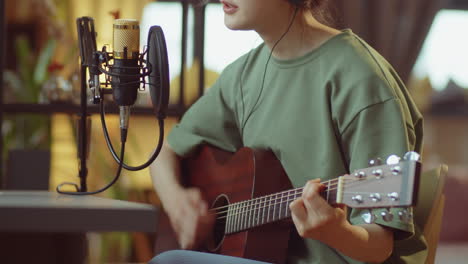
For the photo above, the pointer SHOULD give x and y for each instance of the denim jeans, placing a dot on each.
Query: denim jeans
(193, 257)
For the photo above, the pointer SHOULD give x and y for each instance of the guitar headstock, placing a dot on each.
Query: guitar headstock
(393, 184)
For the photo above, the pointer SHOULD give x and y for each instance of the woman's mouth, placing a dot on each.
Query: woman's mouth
(229, 8)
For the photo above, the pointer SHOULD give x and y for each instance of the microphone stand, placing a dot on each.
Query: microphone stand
(83, 131)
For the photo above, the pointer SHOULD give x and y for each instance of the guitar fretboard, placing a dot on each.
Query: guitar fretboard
(266, 209)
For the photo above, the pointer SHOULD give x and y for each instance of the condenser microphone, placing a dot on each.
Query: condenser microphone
(125, 72)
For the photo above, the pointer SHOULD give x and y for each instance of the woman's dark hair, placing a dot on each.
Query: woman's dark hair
(321, 10)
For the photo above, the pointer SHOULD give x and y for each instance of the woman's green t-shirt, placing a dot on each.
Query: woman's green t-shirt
(323, 115)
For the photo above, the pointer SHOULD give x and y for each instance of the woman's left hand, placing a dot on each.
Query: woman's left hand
(314, 217)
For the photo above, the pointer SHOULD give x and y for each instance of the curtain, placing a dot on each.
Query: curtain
(395, 28)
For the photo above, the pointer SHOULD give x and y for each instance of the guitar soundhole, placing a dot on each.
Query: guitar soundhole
(216, 240)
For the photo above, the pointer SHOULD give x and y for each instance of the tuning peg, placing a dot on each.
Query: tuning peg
(368, 217)
(378, 173)
(405, 216)
(393, 159)
(393, 196)
(412, 156)
(357, 198)
(375, 162)
(396, 170)
(387, 216)
(375, 197)
(360, 174)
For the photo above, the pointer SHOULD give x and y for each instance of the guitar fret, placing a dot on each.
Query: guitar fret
(261, 211)
(294, 193)
(228, 219)
(274, 207)
(253, 208)
(263, 205)
(249, 214)
(252, 213)
(280, 204)
(233, 217)
(284, 200)
(255, 212)
(236, 218)
(286, 204)
(268, 209)
(291, 197)
(246, 215)
(241, 216)
(232, 221)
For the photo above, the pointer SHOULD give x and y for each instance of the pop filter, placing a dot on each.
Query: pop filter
(159, 76)
(86, 39)
(89, 59)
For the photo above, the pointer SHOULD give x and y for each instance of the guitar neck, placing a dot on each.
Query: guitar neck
(266, 209)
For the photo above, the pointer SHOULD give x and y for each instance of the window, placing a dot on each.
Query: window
(444, 56)
(169, 17)
(222, 45)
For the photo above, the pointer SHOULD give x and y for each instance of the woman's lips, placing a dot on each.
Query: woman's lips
(229, 8)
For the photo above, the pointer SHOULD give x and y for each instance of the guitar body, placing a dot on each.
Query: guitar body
(225, 177)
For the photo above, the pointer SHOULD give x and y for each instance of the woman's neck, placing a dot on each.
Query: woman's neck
(304, 35)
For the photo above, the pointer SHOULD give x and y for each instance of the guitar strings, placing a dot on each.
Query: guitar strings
(289, 193)
(260, 220)
(327, 183)
(265, 205)
(261, 204)
(253, 209)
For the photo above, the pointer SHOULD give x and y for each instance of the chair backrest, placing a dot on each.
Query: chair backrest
(429, 210)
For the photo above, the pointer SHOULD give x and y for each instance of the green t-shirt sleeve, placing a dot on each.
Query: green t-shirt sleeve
(379, 130)
(209, 121)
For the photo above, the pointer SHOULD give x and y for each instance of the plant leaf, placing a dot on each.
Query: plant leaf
(25, 64)
(45, 56)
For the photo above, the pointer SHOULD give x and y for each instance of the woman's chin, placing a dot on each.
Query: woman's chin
(235, 26)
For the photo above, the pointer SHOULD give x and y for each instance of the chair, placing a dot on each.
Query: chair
(430, 207)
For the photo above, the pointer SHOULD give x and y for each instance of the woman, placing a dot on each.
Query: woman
(325, 103)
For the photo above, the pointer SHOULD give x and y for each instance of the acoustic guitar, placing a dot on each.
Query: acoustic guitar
(250, 194)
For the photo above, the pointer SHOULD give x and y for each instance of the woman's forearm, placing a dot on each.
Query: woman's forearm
(369, 242)
(165, 174)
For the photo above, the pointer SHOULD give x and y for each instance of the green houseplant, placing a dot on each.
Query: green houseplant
(27, 135)
(24, 86)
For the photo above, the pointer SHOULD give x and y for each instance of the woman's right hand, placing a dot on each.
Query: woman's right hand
(190, 217)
